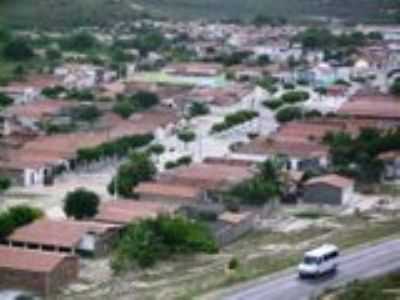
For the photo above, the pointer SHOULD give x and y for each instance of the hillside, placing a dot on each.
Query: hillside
(65, 13)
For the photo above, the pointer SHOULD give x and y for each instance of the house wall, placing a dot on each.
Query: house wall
(45, 284)
(231, 232)
(66, 272)
(320, 193)
(26, 280)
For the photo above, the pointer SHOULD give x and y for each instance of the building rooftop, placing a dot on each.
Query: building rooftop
(62, 233)
(207, 175)
(378, 107)
(332, 179)
(127, 211)
(168, 190)
(29, 260)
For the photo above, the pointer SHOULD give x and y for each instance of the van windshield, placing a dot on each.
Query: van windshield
(311, 260)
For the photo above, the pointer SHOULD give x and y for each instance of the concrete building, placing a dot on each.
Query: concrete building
(39, 272)
(329, 189)
(87, 238)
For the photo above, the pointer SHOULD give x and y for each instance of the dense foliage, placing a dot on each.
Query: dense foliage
(198, 109)
(182, 161)
(149, 241)
(5, 183)
(395, 88)
(358, 156)
(17, 216)
(5, 100)
(140, 101)
(138, 168)
(273, 104)
(233, 120)
(81, 204)
(289, 113)
(186, 136)
(18, 50)
(295, 96)
(264, 186)
(118, 147)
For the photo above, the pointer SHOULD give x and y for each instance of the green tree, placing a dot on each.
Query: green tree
(145, 100)
(289, 113)
(198, 109)
(138, 168)
(81, 204)
(53, 54)
(124, 109)
(18, 50)
(395, 88)
(17, 216)
(186, 136)
(5, 100)
(5, 183)
(23, 214)
(81, 41)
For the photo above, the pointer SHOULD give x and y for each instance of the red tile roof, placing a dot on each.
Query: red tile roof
(39, 109)
(168, 190)
(332, 179)
(291, 148)
(127, 211)
(29, 260)
(379, 107)
(61, 233)
(207, 175)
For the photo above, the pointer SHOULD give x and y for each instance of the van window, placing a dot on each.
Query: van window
(310, 260)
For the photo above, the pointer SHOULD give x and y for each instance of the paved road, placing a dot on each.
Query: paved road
(365, 263)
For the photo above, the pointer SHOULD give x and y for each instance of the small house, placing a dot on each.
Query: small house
(329, 189)
(36, 271)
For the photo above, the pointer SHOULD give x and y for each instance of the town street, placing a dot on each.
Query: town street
(365, 263)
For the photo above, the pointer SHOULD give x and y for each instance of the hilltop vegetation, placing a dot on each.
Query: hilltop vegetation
(67, 13)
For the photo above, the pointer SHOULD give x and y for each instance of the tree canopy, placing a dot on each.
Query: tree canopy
(18, 50)
(81, 204)
(138, 168)
(17, 216)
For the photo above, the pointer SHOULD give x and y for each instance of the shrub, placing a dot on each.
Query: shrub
(233, 120)
(198, 109)
(184, 160)
(5, 100)
(18, 50)
(53, 92)
(124, 109)
(157, 149)
(5, 183)
(312, 114)
(81, 204)
(295, 96)
(118, 147)
(148, 241)
(23, 215)
(233, 263)
(273, 104)
(288, 86)
(288, 114)
(17, 216)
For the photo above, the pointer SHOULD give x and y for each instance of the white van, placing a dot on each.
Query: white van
(319, 261)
